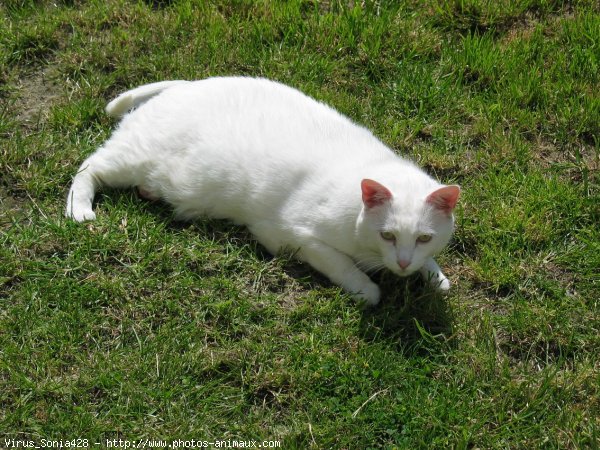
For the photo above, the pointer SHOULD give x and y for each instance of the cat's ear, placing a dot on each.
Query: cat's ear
(374, 193)
(444, 198)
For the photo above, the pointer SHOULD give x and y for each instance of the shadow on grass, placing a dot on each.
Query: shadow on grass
(410, 314)
(419, 319)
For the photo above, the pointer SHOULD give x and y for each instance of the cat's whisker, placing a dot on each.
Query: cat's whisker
(370, 264)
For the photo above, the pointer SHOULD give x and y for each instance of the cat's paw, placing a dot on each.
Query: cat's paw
(434, 277)
(442, 285)
(369, 294)
(80, 215)
(439, 283)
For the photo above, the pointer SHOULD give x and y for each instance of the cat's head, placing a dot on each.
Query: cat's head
(407, 228)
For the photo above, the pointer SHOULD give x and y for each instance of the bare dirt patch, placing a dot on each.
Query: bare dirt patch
(35, 94)
(30, 95)
(573, 163)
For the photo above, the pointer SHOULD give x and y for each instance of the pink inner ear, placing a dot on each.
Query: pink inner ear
(445, 198)
(373, 193)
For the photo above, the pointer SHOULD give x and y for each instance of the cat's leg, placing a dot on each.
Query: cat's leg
(338, 267)
(81, 194)
(147, 194)
(341, 270)
(108, 166)
(432, 273)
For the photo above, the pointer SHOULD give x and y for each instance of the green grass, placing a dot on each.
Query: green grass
(135, 326)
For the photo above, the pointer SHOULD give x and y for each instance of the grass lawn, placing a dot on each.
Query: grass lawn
(136, 326)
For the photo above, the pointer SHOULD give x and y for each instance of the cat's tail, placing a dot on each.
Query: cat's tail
(135, 97)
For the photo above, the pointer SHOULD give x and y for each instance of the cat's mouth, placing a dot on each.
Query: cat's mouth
(403, 272)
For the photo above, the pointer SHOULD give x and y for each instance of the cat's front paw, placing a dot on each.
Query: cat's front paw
(434, 276)
(442, 285)
(369, 294)
(439, 283)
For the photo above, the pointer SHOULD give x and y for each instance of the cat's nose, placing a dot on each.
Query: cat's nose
(403, 263)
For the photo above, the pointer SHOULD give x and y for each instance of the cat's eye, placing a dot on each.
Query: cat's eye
(388, 236)
(424, 238)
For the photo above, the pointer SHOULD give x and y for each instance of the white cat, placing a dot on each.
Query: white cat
(297, 173)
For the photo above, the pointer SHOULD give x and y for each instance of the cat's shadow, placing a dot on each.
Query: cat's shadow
(410, 314)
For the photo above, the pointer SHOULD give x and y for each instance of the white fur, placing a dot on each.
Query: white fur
(267, 156)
